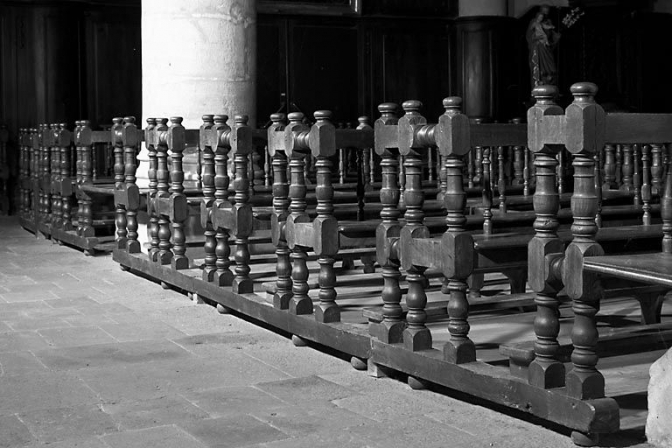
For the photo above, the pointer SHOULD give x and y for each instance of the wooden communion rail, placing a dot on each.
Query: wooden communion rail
(544, 362)
(440, 207)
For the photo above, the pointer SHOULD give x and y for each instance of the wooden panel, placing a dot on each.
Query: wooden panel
(410, 62)
(271, 66)
(404, 8)
(112, 57)
(323, 70)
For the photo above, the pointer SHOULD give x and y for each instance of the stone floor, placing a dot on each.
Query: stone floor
(91, 356)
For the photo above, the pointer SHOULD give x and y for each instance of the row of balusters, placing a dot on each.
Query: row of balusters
(49, 155)
(636, 168)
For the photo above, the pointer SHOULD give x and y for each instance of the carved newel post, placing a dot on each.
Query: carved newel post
(457, 245)
(207, 176)
(300, 302)
(585, 136)
(416, 336)
(322, 143)
(387, 233)
(179, 210)
(545, 249)
(283, 284)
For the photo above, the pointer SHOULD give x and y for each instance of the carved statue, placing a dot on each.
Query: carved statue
(541, 40)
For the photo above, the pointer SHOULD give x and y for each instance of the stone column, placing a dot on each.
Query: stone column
(198, 57)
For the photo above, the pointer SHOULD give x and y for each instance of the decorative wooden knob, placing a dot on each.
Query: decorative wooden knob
(208, 118)
(277, 117)
(322, 115)
(388, 108)
(221, 119)
(295, 117)
(452, 103)
(583, 90)
(241, 119)
(545, 93)
(176, 120)
(411, 106)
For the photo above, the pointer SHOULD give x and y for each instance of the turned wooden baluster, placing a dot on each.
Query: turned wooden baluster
(609, 166)
(241, 281)
(78, 168)
(618, 179)
(39, 165)
(478, 159)
(402, 183)
(66, 174)
(55, 178)
(391, 328)
(545, 249)
(656, 168)
(341, 165)
(176, 144)
(35, 171)
(122, 232)
(47, 137)
(321, 141)
(78, 151)
(430, 164)
(627, 168)
(526, 173)
(486, 192)
(416, 336)
(561, 172)
(519, 158)
(283, 267)
(359, 184)
(598, 187)
(223, 275)
(368, 169)
(636, 177)
(459, 349)
(585, 135)
(300, 303)
(208, 181)
(501, 179)
(153, 227)
(257, 169)
(470, 171)
(162, 178)
(666, 206)
(129, 136)
(443, 182)
(85, 215)
(646, 186)
(268, 169)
